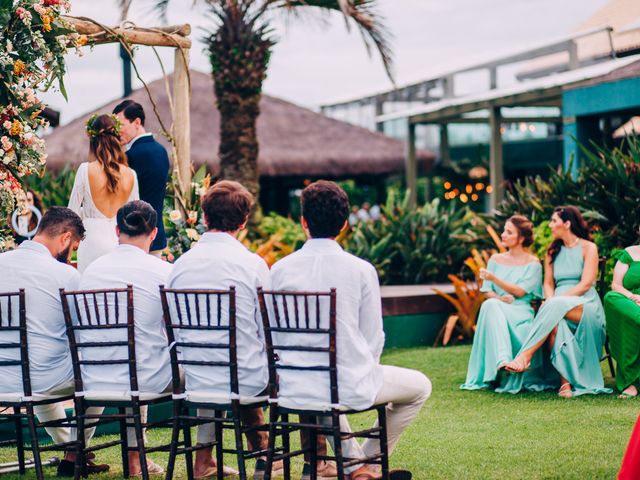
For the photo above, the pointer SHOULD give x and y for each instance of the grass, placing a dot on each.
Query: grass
(483, 435)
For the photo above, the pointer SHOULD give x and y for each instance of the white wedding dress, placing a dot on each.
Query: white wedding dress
(101, 237)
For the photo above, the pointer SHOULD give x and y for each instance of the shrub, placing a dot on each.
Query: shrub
(416, 245)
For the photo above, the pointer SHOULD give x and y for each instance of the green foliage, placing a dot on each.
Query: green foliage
(421, 245)
(606, 189)
(53, 188)
(289, 231)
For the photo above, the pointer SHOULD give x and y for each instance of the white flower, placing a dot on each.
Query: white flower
(175, 216)
(192, 234)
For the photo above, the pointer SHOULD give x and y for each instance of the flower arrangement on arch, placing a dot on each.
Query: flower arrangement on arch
(33, 41)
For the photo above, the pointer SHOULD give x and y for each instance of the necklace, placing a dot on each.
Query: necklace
(574, 243)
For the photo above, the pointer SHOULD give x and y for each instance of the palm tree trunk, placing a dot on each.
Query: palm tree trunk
(238, 138)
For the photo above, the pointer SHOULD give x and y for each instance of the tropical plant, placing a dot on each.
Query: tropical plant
(54, 188)
(33, 41)
(240, 47)
(468, 297)
(416, 245)
(606, 189)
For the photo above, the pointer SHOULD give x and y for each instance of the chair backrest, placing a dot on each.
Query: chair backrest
(13, 326)
(105, 319)
(201, 330)
(289, 318)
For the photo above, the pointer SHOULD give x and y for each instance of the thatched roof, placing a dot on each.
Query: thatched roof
(294, 141)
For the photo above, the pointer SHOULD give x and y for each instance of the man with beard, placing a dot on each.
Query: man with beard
(40, 266)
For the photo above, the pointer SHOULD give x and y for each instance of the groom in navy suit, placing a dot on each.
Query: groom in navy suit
(150, 161)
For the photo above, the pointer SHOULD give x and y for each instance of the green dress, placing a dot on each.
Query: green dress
(501, 329)
(578, 347)
(623, 325)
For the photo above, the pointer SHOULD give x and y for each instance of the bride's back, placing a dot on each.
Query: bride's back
(108, 201)
(110, 180)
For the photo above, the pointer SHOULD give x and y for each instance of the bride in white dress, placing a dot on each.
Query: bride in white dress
(102, 185)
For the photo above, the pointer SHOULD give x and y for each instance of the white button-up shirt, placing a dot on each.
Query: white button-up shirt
(130, 265)
(32, 267)
(219, 261)
(320, 265)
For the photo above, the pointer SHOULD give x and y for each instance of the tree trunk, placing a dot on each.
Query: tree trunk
(238, 139)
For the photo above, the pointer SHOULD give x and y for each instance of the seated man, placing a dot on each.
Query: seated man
(130, 264)
(40, 267)
(320, 265)
(220, 261)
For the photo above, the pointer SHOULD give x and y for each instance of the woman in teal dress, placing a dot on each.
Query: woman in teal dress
(571, 320)
(622, 308)
(511, 280)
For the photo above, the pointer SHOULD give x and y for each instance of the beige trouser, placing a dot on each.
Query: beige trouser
(56, 411)
(405, 391)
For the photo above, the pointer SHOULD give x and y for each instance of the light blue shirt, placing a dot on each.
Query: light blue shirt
(32, 267)
(219, 261)
(130, 265)
(321, 264)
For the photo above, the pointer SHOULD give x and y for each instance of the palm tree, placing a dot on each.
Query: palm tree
(239, 49)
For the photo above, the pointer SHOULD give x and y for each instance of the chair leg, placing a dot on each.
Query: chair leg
(186, 433)
(219, 435)
(137, 422)
(313, 442)
(124, 443)
(609, 358)
(34, 442)
(237, 428)
(80, 439)
(19, 439)
(175, 437)
(273, 418)
(337, 441)
(384, 446)
(286, 445)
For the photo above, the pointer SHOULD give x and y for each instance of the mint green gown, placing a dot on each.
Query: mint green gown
(578, 347)
(501, 329)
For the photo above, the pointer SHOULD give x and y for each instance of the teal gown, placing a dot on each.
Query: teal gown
(500, 331)
(578, 347)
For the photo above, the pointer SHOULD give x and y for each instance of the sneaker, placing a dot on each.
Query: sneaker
(277, 469)
(325, 470)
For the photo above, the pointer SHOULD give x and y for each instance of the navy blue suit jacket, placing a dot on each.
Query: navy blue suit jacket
(150, 161)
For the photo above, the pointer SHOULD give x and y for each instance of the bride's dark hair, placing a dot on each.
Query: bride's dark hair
(104, 146)
(136, 218)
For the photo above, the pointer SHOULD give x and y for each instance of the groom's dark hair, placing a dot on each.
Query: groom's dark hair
(59, 220)
(131, 110)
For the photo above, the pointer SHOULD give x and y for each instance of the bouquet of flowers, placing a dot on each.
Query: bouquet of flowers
(33, 41)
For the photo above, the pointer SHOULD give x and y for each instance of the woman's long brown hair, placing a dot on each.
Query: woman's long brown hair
(105, 147)
(579, 228)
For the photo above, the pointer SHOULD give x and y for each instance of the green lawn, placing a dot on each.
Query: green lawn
(482, 435)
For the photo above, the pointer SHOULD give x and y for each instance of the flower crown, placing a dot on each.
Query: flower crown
(93, 133)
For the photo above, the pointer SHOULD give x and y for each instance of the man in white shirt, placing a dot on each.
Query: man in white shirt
(320, 265)
(40, 266)
(219, 261)
(130, 264)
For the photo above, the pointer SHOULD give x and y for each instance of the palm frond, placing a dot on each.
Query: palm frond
(371, 25)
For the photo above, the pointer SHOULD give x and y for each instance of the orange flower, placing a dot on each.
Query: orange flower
(16, 128)
(82, 40)
(46, 23)
(19, 67)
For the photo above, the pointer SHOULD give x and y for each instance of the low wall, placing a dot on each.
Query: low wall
(414, 314)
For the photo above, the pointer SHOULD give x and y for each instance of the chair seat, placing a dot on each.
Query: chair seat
(18, 397)
(121, 396)
(218, 398)
(300, 404)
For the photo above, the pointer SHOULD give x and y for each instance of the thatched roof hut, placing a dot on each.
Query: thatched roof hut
(294, 141)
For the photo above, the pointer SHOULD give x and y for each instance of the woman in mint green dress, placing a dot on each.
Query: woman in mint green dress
(571, 320)
(511, 280)
(622, 308)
